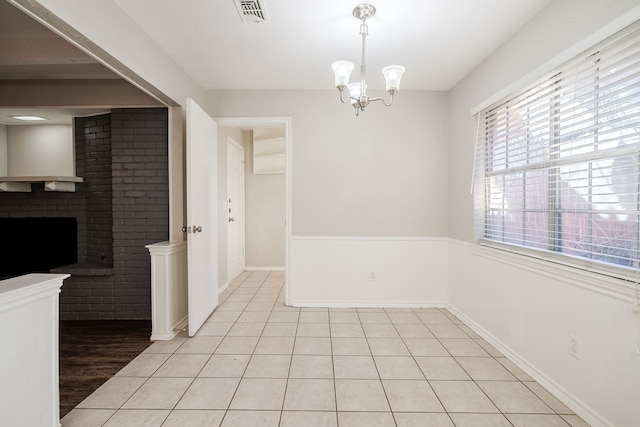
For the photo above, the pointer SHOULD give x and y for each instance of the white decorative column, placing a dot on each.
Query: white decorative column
(29, 390)
(169, 309)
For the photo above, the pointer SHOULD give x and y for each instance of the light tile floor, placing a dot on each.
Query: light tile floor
(259, 363)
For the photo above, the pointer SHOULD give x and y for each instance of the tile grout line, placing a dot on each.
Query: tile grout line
(384, 390)
(413, 357)
(333, 368)
(250, 357)
(200, 371)
(286, 388)
(262, 294)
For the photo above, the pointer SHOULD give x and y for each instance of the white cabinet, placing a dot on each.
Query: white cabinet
(29, 393)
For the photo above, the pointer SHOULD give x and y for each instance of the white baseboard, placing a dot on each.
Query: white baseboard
(369, 304)
(223, 288)
(253, 268)
(167, 336)
(573, 403)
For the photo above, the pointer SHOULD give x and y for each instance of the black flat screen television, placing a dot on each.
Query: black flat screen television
(36, 245)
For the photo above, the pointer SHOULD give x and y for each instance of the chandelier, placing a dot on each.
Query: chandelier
(358, 90)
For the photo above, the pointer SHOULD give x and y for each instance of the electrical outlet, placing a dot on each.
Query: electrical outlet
(372, 276)
(575, 346)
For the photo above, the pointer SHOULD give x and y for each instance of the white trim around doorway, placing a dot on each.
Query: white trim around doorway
(246, 122)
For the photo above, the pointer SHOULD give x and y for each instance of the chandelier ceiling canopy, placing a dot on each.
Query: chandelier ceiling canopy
(358, 90)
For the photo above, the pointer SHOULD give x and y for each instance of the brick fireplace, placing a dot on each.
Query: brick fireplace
(121, 206)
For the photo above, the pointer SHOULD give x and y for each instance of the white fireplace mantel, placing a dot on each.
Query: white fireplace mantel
(22, 184)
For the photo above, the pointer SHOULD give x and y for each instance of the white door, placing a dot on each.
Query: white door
(202, 199)
(235, 220)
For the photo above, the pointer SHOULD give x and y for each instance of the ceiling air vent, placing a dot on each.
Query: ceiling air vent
(251, 10)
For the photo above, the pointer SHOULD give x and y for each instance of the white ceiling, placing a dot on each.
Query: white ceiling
(438, 41)
(28, 50)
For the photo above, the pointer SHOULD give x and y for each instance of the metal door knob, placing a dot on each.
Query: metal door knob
(194, 229)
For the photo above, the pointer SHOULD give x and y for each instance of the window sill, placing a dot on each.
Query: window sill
(601, 283)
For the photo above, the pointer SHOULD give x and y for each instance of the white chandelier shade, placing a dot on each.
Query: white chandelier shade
(392, 75)
(355, 90)
(342, 70)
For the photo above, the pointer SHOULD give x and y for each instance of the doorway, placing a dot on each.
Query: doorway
(285, 123)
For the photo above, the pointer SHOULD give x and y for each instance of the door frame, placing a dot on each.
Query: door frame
(231, 141)
(247, 122)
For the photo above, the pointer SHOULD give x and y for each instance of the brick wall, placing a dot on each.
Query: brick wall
(122, 205)
(96, 134)
(140, 175)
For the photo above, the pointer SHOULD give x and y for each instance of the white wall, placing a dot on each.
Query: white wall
(177, 185)
(528, 309)
(265, 211)
(380, 174)
(359, 182)
(40, 150)
(3, 150)
(368, 272)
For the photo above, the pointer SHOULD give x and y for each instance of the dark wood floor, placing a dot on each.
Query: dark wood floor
(93, 351)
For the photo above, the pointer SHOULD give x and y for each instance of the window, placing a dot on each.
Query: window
(559, 162)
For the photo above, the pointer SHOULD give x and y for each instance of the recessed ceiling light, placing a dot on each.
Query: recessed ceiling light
(28, 118)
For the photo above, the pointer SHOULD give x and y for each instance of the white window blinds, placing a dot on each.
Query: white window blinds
(558, 163)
